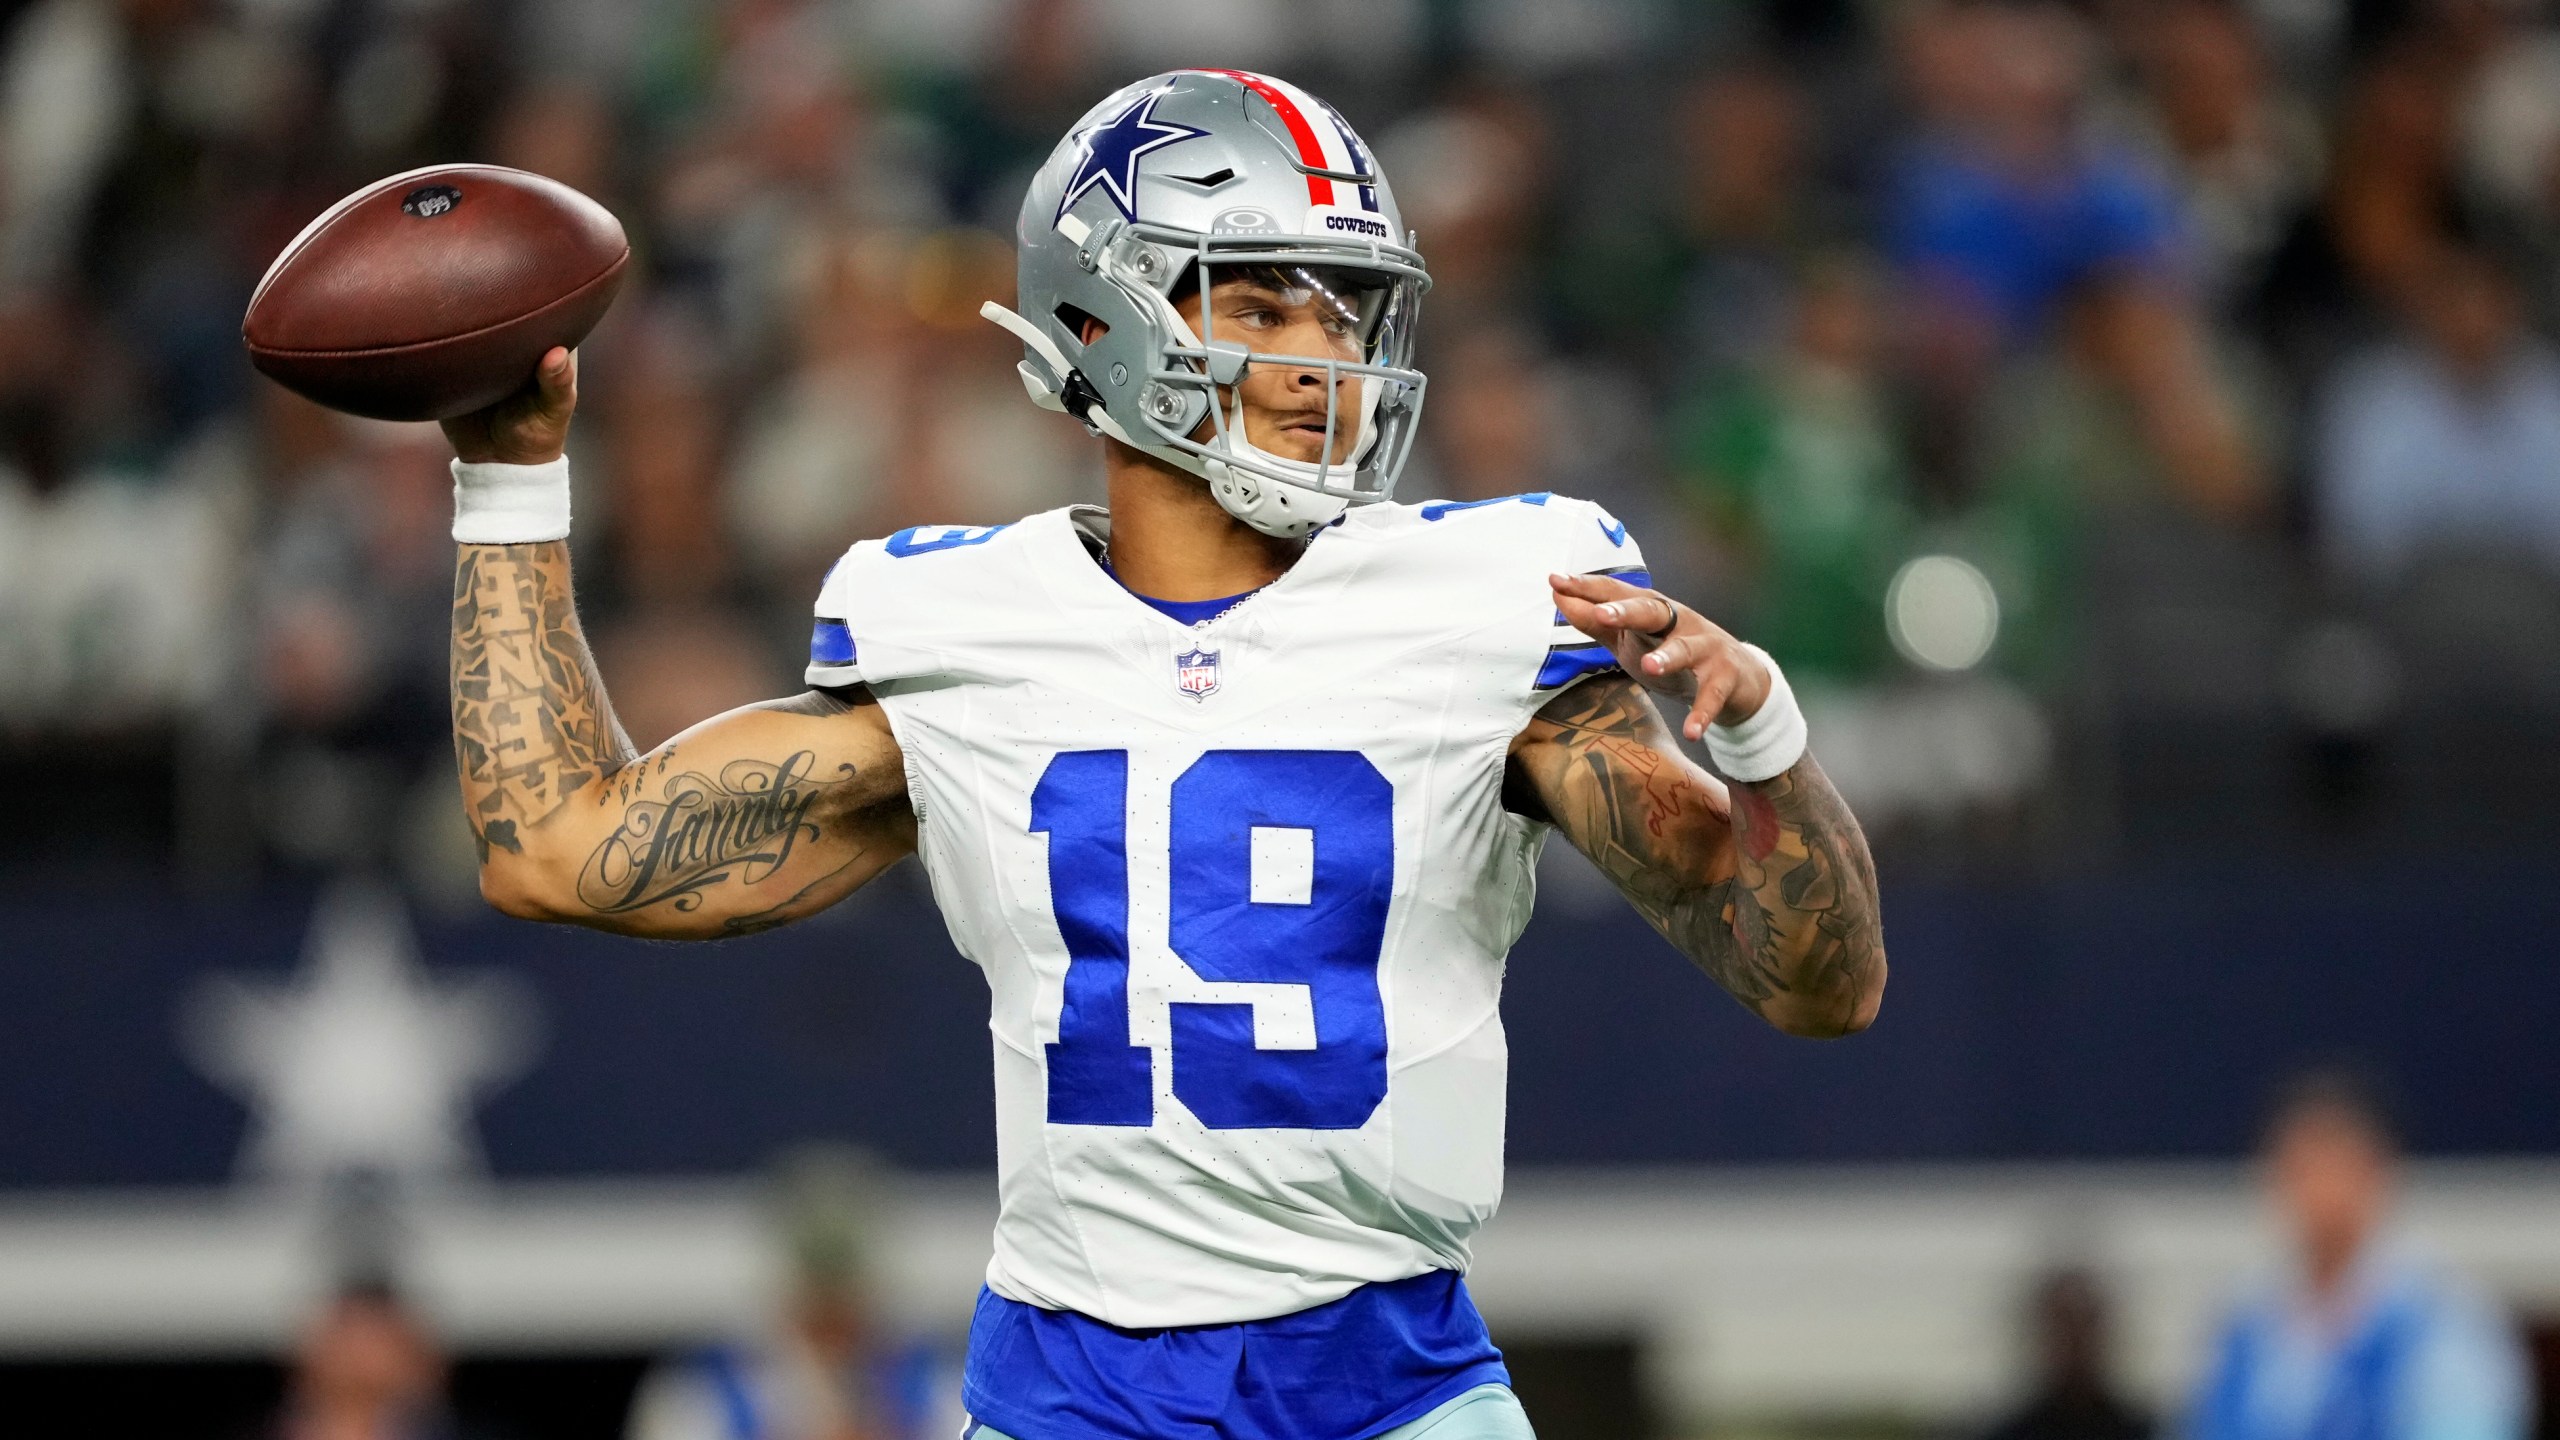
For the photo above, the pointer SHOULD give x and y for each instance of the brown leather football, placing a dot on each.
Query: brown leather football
(433, 293)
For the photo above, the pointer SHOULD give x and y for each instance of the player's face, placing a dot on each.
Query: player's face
(2333, 1177)
(1284, 405)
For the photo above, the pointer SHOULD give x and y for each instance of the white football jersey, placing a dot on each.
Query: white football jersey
(1242, 890)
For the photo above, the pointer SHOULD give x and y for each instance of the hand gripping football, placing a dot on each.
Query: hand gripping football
(433, 293)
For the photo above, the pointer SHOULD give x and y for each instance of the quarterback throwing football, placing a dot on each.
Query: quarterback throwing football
(1234, 790)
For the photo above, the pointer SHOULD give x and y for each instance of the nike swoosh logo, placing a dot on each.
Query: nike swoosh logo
(1616, 532)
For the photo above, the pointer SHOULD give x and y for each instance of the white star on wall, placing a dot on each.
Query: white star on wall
(362, 1062)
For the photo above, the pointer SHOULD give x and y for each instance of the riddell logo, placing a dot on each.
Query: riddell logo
(1356, 224)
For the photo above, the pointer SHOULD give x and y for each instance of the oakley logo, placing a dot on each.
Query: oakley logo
(1245, 222)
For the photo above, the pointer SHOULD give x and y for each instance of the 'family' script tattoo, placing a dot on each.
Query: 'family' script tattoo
(741, 824)
(530, 727)
(750, 820)
(1797, 918)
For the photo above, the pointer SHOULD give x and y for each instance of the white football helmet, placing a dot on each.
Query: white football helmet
(1159, 186)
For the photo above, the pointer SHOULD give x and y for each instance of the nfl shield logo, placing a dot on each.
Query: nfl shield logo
(1195, 673)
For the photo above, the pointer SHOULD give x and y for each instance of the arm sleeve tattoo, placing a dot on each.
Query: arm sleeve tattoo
(1769, 889)
(757, 822)
(531, 727)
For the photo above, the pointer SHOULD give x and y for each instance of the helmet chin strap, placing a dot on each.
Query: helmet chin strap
(1266, 501)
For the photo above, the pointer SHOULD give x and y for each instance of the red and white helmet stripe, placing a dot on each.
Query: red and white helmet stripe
(1324, 141)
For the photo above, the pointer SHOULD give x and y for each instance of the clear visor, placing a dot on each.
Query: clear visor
(1347, 303)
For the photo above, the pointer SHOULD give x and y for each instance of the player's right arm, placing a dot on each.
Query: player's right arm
(1765, 884)
(751, 819)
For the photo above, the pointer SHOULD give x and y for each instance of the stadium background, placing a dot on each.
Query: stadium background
(2207, 738)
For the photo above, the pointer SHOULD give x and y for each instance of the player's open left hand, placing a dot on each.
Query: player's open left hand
(1668, 647)
(529, 427)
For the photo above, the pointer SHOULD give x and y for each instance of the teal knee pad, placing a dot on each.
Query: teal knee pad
(1488, 1412)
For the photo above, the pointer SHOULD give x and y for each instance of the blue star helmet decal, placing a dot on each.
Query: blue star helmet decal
(1110, 152)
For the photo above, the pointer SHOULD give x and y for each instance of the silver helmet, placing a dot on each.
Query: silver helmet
(1152, 192)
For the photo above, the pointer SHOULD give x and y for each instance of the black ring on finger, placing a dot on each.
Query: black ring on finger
(1658, 636)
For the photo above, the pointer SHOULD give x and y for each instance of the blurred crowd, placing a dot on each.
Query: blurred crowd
(2345, 1325)
(2352, 1328)
(2130, 420)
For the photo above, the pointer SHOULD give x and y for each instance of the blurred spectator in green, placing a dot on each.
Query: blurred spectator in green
(2446, 438)
(1794, 466)
(1797, 472)
(2075, 1396)
(2355, 1334)
(1509, 412)
(1695, 269)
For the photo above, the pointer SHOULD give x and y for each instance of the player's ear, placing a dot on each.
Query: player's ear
(1090, 330)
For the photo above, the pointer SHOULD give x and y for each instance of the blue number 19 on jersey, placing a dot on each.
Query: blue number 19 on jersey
(1321, 826)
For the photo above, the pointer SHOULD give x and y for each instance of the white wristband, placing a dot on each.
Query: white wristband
(1769, 743)
(510, 504)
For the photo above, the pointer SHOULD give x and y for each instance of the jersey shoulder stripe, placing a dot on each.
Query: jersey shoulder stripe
(1575, 656)
(1443, 509)
(873, 584)
(830, 643)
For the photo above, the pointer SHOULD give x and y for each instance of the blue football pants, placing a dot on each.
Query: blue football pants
(1488, 1412)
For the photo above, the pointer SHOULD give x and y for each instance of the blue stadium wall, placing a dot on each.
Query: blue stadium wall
(2139, 1016)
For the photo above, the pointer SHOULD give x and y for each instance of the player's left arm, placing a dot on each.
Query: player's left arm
(1767, 886)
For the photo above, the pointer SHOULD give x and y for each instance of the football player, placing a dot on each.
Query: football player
(1234, 790)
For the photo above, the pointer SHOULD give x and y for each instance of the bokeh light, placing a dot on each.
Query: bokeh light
(1942, 613)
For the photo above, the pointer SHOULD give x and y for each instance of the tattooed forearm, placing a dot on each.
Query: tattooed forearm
(748, 820)
(1808, 887)
(530, 724)
(1771, 891)
(1649, 821)
(741, 824)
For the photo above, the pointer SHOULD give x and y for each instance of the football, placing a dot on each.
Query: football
(432, 293)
